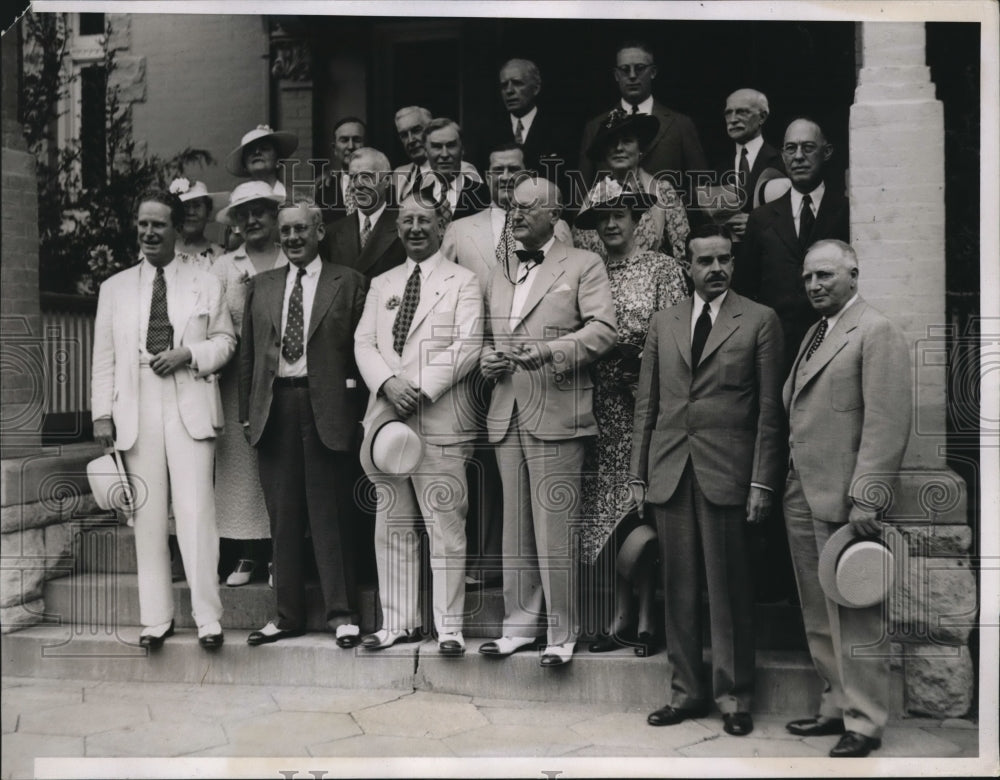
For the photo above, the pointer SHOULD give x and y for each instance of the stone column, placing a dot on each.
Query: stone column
(896, 189)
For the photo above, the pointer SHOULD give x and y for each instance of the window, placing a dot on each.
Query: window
(93, 142)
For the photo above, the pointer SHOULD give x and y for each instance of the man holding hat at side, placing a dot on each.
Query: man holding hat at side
(418, 340)
(848, 399)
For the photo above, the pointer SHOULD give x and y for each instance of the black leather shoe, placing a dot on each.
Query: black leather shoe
(671, 716)
(261, 638)
(605, 644)
(451, 648)
(349, 641)
(854, 745)
(211, 641)
(815, 727)
(646, 645)
(154, 642)
(739, 724)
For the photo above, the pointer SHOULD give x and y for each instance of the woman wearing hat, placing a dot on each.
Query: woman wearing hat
(239, 500)
(199, 206)
(617, 149)
(258, 154)
(642, 283)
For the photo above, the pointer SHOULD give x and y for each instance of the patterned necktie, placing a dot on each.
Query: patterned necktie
(702, 327)
(350, 200)
(159, 332)
(807, 220)
(506, 243)
(291, 347)
(411, 298)
(744, 177)
(366, 231)
(519, 132)
(817, 339)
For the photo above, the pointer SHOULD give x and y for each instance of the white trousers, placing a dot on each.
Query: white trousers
(166, 465)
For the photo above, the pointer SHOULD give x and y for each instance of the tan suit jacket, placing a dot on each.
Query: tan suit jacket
(569, 307)
(849, 412)
(201, 322)
(442, 347)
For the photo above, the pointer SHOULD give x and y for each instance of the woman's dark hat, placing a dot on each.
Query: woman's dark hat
(617, 122)
(627, 544)
(609, 194)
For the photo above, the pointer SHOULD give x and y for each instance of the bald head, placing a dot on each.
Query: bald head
(830, 275)
(520, 82)
(746, 112)
(805, 153)
(410, 124)
(536, 205)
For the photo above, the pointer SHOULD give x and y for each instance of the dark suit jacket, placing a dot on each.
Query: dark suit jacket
(383, 251)
(336, 391)
(329, 198)
(548, 139)
(675, 148)
(767, 157)
(473, 198)
(770, 261)
(725, 414)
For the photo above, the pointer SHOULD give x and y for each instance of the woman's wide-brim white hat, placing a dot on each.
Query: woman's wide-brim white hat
(247, 192)
(284, 142)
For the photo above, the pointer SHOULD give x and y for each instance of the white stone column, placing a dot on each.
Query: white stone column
(896, 189)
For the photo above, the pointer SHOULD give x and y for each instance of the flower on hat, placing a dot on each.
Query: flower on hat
(180, 186)
(265, 128)
(615, 116)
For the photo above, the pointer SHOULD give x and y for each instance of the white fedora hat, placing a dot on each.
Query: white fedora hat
(391, 446)
(109, 484)
(286, 143)
(245, 193)
(855, 571)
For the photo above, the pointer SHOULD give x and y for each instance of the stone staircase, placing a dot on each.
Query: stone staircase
(90, 631)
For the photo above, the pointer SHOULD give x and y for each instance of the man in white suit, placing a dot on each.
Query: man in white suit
(551, 315)
(418, 339)
(161, 333)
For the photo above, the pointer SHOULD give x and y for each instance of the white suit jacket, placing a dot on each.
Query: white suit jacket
(443, 346)
(201, 322)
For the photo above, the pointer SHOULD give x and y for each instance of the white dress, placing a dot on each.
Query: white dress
(239, 501)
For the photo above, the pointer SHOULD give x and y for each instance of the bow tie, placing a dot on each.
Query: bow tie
(530, 255)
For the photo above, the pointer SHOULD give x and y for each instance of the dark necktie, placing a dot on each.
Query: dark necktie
(159, 332)
(745, 177)
(366, 231)
(807, 220)
(530, 255)
(291, 347)
(411, 298)
(519, 133)
(506, 242)
(817, 339)
(635, 108)
(702, 327)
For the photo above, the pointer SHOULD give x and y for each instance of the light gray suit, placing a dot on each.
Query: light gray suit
(849, 411)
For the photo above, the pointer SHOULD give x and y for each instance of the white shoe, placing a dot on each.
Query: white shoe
(242, 574)
(557, 655)
(506, 645)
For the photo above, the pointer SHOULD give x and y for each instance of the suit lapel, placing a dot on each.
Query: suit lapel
(825, 218)
(725, 325)
(680, 326)
(834, 341)
(482, 236)
(130, 310)
(784, 223)
(274, 292)
(382, 236)
(186, 298)
(430, 291)
(550, 270)
(326, 292)
(666, 120)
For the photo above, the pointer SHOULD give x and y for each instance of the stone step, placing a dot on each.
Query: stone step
(106, 598)
(786, 682)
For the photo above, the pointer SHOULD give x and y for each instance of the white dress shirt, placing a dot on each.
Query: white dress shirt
(526, 122)
(309, 283)
(817, 197)
(713, 308)
(147, 272)
(645, 107)
(521, 290)
(753, 149)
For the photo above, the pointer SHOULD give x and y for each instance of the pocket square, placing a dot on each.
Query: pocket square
(562, 288)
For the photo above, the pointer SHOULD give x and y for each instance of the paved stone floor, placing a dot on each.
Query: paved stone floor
(78, 718)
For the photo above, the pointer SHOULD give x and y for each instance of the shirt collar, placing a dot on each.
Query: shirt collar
(714, 305)
(645, 107)
(816, 196)
(374, 216)
(526, 120)
(169, 270)
(544, 249)
(832, 321)
(426, 266)
(312, 268)
(752, 146)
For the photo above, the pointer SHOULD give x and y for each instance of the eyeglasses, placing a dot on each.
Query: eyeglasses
(807, 148)
(632, 70)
